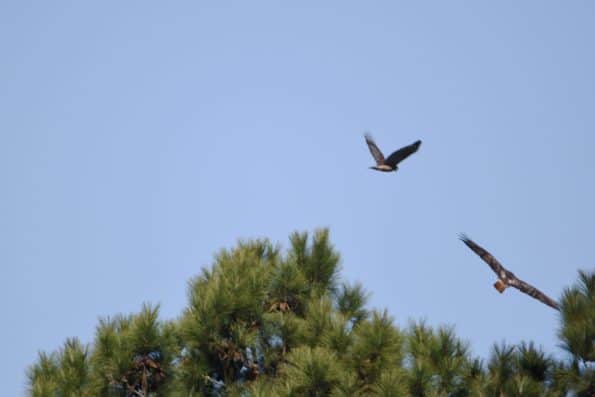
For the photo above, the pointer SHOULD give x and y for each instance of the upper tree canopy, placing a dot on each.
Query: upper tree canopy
(262, 322)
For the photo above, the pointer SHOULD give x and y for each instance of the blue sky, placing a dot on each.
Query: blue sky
(137, 139)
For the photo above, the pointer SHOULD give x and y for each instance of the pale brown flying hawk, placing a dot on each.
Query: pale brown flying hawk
(507, 278)
(390, 164)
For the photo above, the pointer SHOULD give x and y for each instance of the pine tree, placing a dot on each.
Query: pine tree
(220, 329)
(439, 362)
(577, 333)
(132, 355)
(65, 373)
(260, 322)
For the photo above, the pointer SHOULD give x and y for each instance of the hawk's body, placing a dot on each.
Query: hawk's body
(390, 164)
(507, 278)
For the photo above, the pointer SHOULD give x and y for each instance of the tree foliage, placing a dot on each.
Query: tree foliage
(260, 322)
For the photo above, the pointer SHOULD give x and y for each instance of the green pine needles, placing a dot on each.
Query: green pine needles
(262, 322)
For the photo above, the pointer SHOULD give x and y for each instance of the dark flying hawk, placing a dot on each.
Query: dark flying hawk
(507, 278)
(390, 164)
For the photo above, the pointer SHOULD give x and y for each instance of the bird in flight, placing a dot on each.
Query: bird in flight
(507, 278)
(390, 164)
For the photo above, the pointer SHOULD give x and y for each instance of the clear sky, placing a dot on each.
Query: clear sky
(139, 138)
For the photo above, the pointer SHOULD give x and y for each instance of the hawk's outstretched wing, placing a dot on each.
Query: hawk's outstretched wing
(488, 258)
(401, 154)
(507, 276)
(534, 292)
(376, 153)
